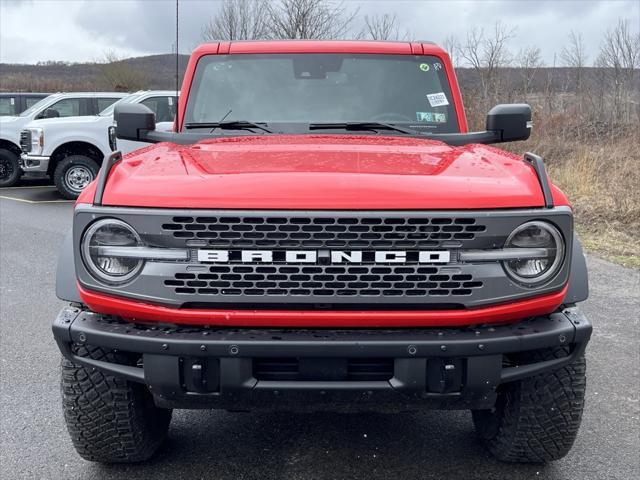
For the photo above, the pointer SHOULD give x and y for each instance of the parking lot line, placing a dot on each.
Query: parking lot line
(35, 201)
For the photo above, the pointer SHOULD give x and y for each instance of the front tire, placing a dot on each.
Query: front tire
(73, 174)
(110, 419)
(535, 420)
(10, 171)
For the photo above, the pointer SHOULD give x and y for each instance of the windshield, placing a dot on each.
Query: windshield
(36, 106)
(107, 112)
(323, 88)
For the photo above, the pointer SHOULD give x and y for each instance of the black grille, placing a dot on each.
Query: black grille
(354, 232)
(25, 141)
(324, 280)
(327, 369)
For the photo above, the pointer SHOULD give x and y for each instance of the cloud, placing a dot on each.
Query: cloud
(82, 30)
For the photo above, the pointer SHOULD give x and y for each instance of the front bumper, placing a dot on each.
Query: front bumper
(36, 164)
(241, 369)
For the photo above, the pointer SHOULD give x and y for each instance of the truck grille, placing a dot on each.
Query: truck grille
(355, 282)
(25, 141)
(318, 231)
(323, 280)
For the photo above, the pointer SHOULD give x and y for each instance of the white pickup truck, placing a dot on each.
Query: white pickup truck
(71, 150)
(58, 105)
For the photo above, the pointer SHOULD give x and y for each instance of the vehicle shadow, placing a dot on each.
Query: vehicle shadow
(222, 445)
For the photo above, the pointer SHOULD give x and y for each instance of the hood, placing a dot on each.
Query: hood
(44, 122)
(6, 120)
(321, 172)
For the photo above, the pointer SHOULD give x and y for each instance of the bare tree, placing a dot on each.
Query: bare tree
(620, 55)
(308, 19)
(238, 20)
(452, 46)
(118, 75)
(487, 54)
(529, 60)
(575, 57)
(383, 27)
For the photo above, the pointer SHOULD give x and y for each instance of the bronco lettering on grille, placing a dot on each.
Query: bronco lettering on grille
(323, 256)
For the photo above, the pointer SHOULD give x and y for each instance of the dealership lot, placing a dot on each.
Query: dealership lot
(203, 444)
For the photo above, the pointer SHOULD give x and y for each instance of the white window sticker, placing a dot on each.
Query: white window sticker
(437, 99)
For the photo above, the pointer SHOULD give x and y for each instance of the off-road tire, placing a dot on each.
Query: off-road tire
(535, 420)
(66, 164)
(110, 419)
(10, 170)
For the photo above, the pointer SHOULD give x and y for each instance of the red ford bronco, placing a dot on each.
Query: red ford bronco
(321, 231)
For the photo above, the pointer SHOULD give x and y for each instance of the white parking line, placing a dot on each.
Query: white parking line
(35, 201)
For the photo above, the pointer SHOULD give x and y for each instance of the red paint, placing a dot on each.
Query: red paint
(507, 313)
(339, 172)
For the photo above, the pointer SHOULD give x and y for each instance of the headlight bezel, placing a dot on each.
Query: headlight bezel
(94, 270)
(551, 272)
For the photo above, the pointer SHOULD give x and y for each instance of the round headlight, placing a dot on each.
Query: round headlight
(549, 253)
(101, 264)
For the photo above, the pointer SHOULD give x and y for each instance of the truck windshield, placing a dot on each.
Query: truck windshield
(128, 99)
(304, 89)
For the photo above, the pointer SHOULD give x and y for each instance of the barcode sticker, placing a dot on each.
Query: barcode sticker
(437, 99)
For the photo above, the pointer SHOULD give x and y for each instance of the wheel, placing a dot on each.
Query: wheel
(535, 420)
(10, 171)
(73, 174)
(110, 419)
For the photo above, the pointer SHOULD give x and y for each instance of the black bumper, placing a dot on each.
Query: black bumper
(238, 369)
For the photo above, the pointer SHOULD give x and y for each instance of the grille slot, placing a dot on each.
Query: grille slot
(352, 232)
(25, 141)
(334, 369)
(410, 281)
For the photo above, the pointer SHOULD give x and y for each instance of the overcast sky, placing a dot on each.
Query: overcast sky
(82, 30)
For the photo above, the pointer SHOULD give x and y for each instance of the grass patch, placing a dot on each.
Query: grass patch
(602, 182)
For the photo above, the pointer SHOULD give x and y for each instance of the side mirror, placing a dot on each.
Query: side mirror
(511, 121)
(49, 113)
(133, 120)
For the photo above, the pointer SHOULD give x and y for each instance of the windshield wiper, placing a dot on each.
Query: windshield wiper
(229, 125)
(361, 126)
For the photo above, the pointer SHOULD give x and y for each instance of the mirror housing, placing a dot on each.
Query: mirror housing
(133, 121)
(49, 113)
(511, 121)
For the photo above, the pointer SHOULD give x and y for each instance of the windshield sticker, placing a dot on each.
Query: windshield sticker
(437, 99)
(431, 117)
(424, 116)
(437, 66)
(440, 117)
(424, 67)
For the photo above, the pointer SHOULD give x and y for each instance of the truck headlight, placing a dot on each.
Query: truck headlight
(104, 263)
(547, 240)
(113, 142)
(37, 140)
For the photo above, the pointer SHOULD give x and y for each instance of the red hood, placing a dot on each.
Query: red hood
(322, 172)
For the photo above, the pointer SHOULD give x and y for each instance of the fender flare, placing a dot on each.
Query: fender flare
(66, 282)
(578, 277)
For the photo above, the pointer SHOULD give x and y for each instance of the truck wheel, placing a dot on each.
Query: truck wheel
(110, 419)
(73, 174)
(10, 171)
(535, 420)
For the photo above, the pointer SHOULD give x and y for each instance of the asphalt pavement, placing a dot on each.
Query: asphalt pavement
(219, 445)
